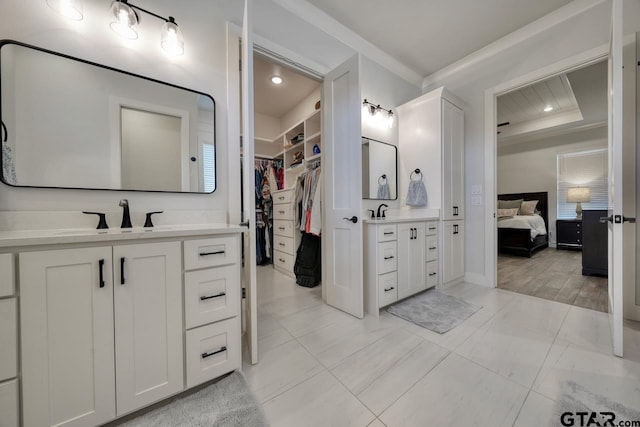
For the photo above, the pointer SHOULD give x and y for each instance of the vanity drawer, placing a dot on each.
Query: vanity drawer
(387, 233)
(284, 244)
(212, 252)
(432, 229)
(283, 260)
(432, 248)
(282, 212)
(212, 350)
(9, 404)
(8, 339)
(211, 295)
(283, 228)
(280, 197)
(6, 275)
(387, 288)
(387, 257)
(432, 273)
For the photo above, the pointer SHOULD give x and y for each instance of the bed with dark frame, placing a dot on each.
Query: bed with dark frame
(518, 240)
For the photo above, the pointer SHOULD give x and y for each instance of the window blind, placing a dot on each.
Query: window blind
(208, 164)
(582, 169)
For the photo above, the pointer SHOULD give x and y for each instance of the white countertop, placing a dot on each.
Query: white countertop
(396, 220)
(68, 236)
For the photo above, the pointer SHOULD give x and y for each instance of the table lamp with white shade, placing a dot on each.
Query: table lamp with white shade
(578, 195)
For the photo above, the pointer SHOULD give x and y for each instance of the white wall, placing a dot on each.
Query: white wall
(300, 111)
(380, 86)
(202, 68)
(524, 169)
(576, 35)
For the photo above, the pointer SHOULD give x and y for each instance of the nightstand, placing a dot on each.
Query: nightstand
(569, 234)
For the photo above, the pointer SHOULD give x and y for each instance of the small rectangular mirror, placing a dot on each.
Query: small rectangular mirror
(379, 170)
(70, 123)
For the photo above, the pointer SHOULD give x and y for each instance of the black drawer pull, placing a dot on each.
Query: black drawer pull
(281, 244)
(281, 260)
(281, 228)
(211, 253)
(221, 294)
(388, 233)
(433, 228)
(389, 257)
(389, 289)
(122, 271)
(433, 248)
(432, 274)
(282, 212)
(455, 211)
(280, 198)
(205, 355)
(101, 264)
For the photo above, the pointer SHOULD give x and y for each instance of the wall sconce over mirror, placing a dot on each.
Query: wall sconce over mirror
(125, 19)
(381, 116)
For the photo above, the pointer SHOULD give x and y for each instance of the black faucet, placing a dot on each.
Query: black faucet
(126, 219)
(380, 207)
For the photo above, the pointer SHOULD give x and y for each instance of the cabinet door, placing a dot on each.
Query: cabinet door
(148, 323)
(66, 314)
(411, 259)
(453, 251)
(452, 161)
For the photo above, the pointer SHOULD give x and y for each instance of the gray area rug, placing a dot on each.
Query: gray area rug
(434, 310)
(227, 403)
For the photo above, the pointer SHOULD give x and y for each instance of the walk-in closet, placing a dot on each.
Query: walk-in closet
(288, 173)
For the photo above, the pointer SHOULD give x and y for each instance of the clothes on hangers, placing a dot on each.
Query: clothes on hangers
(266, 181)
(307, 196)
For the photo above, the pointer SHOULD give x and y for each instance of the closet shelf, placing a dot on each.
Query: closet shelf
(314, 157)
(313, 137)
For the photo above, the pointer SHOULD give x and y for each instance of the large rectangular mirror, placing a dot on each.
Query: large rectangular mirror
(69, 123)
(379, 170)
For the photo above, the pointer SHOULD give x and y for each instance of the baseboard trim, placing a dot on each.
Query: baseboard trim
(477, 279)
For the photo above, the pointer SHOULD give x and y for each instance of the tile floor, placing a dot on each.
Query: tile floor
(519, 361)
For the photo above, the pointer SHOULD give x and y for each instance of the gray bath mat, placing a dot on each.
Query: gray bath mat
(434, 310)
(227, 403)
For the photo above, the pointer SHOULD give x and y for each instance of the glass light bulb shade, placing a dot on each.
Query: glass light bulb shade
(390, 119)
(125, 19)
(71, 9)
(171, 39)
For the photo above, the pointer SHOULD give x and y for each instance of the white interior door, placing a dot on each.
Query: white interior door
(248, 185)
(621, 187)
(342, 236)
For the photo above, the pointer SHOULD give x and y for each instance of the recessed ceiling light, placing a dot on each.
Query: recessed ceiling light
(276, 80)
(548, 108)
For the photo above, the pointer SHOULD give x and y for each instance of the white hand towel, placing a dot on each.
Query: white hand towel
(417, 194)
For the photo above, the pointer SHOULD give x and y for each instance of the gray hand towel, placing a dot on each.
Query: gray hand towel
(417, 194)
(383, 191)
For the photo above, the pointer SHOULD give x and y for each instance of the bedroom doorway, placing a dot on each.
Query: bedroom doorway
(551, 179)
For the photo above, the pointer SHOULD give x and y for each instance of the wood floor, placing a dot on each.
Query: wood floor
(555, 275)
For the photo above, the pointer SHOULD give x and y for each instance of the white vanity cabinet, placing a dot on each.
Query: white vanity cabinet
(104, 330)
(411, 258)
(66, 312)
(452, 134)
(452, 251)
(401, 259)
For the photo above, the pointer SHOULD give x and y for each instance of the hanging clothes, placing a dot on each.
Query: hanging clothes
(266, 181)
(308, 205)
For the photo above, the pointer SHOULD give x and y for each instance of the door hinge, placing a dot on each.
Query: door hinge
(244, 293)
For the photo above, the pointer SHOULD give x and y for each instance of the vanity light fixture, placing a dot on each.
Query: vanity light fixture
(276, 80)
(71, 9)
(377, 112)
(126, 18)
(548, 108)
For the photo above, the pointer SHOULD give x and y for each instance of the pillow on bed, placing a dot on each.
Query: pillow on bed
(504, 213)
(510, 204)
(528, 207)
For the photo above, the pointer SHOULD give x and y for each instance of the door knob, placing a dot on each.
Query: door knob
(606, 218)
(353, 219)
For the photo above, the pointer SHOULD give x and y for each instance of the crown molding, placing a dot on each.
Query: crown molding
(321, 20)
(538, 26)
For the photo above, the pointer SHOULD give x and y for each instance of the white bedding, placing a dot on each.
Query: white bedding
(533, 222)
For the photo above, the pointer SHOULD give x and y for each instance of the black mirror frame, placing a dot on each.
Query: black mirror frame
(396, 181)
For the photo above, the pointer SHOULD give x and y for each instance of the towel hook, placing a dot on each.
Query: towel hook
(383, 177)
(417, 172)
